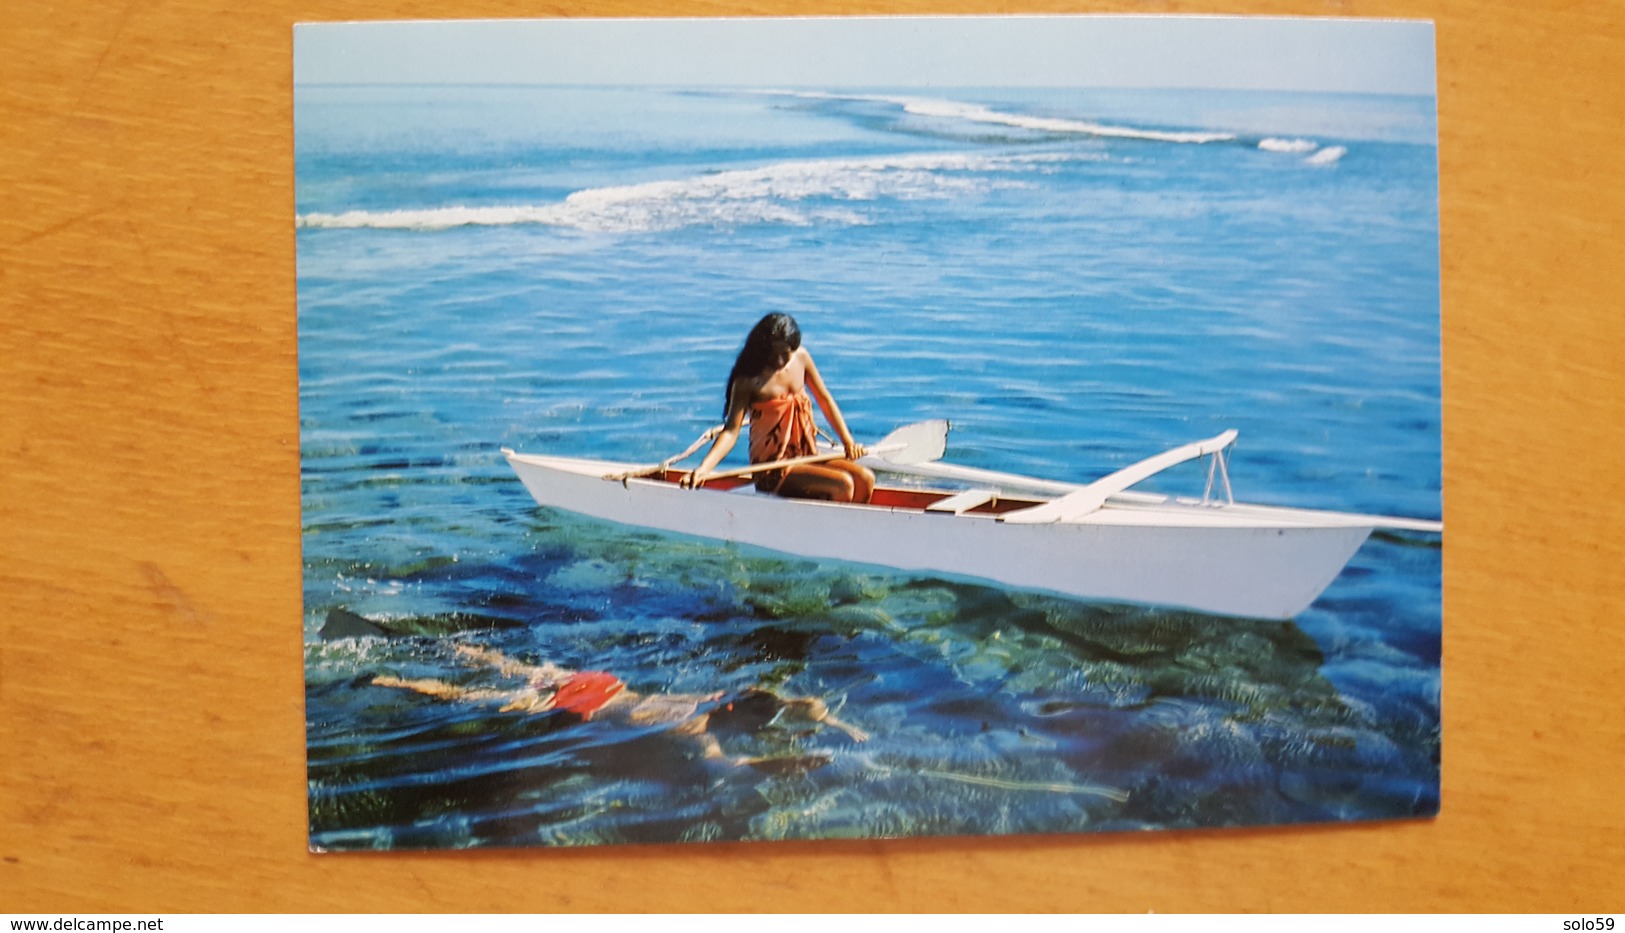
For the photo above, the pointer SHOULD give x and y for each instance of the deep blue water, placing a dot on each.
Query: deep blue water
(1076, 279)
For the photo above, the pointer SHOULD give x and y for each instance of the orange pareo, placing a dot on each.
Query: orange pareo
(781, 428)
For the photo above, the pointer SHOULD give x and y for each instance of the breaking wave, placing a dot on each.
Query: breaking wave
(979, 114)
(1316, 155)
(1273, 144)
(799, 193)
(1327, 156)
(976, 113)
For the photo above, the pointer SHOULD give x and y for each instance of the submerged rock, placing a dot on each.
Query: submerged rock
(341, 623)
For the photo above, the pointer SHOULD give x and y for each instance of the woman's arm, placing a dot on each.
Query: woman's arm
(738, 406)
(832, 412)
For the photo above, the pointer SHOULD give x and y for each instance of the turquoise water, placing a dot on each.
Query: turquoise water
(1076, 279)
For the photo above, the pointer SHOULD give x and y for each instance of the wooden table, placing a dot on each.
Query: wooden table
(151, 677)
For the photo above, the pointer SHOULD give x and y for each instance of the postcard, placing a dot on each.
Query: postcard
(764, 429)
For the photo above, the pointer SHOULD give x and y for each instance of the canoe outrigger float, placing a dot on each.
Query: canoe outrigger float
(1098, 541)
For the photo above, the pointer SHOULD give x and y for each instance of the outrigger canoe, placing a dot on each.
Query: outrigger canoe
(1098, 541)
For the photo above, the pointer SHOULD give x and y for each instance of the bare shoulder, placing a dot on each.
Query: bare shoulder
(803, 362)
(743, 393)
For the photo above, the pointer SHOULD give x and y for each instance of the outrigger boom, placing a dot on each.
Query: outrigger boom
(1098, 541)
(1075, 505)
(1115, 486)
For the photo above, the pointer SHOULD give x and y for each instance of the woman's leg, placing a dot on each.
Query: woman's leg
(817, 481)
(863, 479)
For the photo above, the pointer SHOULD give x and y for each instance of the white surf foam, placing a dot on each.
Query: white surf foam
(795, 193)
(1327, 156)
(1274, 144)
(979, 114)
(976, 113)
(428, 219)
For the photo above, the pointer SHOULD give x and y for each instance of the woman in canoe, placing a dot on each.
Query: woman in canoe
(769, 384)
(589, 695)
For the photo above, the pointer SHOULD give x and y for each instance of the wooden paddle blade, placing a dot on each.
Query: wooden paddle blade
(921, 442)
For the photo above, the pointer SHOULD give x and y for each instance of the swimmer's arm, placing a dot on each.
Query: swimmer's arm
(695, 728)
(712, 750)
(813, 709)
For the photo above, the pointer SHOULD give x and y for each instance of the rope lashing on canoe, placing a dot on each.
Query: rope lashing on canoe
(661, 467)
(664, 465)
(709, 436)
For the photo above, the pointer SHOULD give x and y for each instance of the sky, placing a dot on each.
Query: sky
(1223, 53)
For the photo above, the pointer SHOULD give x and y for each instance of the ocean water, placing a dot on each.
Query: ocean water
(1076, 279)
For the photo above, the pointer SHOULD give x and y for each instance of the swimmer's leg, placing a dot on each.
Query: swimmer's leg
(697, 729)
(438, 689)
(770, 764)
(528, 701)
(547, 672)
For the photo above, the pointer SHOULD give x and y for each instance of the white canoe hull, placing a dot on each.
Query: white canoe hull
(1240, 560)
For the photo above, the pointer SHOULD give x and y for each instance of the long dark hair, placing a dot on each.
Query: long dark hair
(772, 329)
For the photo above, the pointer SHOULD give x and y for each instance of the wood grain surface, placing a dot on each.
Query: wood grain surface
(151, 683)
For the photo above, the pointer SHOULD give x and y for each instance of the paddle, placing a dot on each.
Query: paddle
(921, 442)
